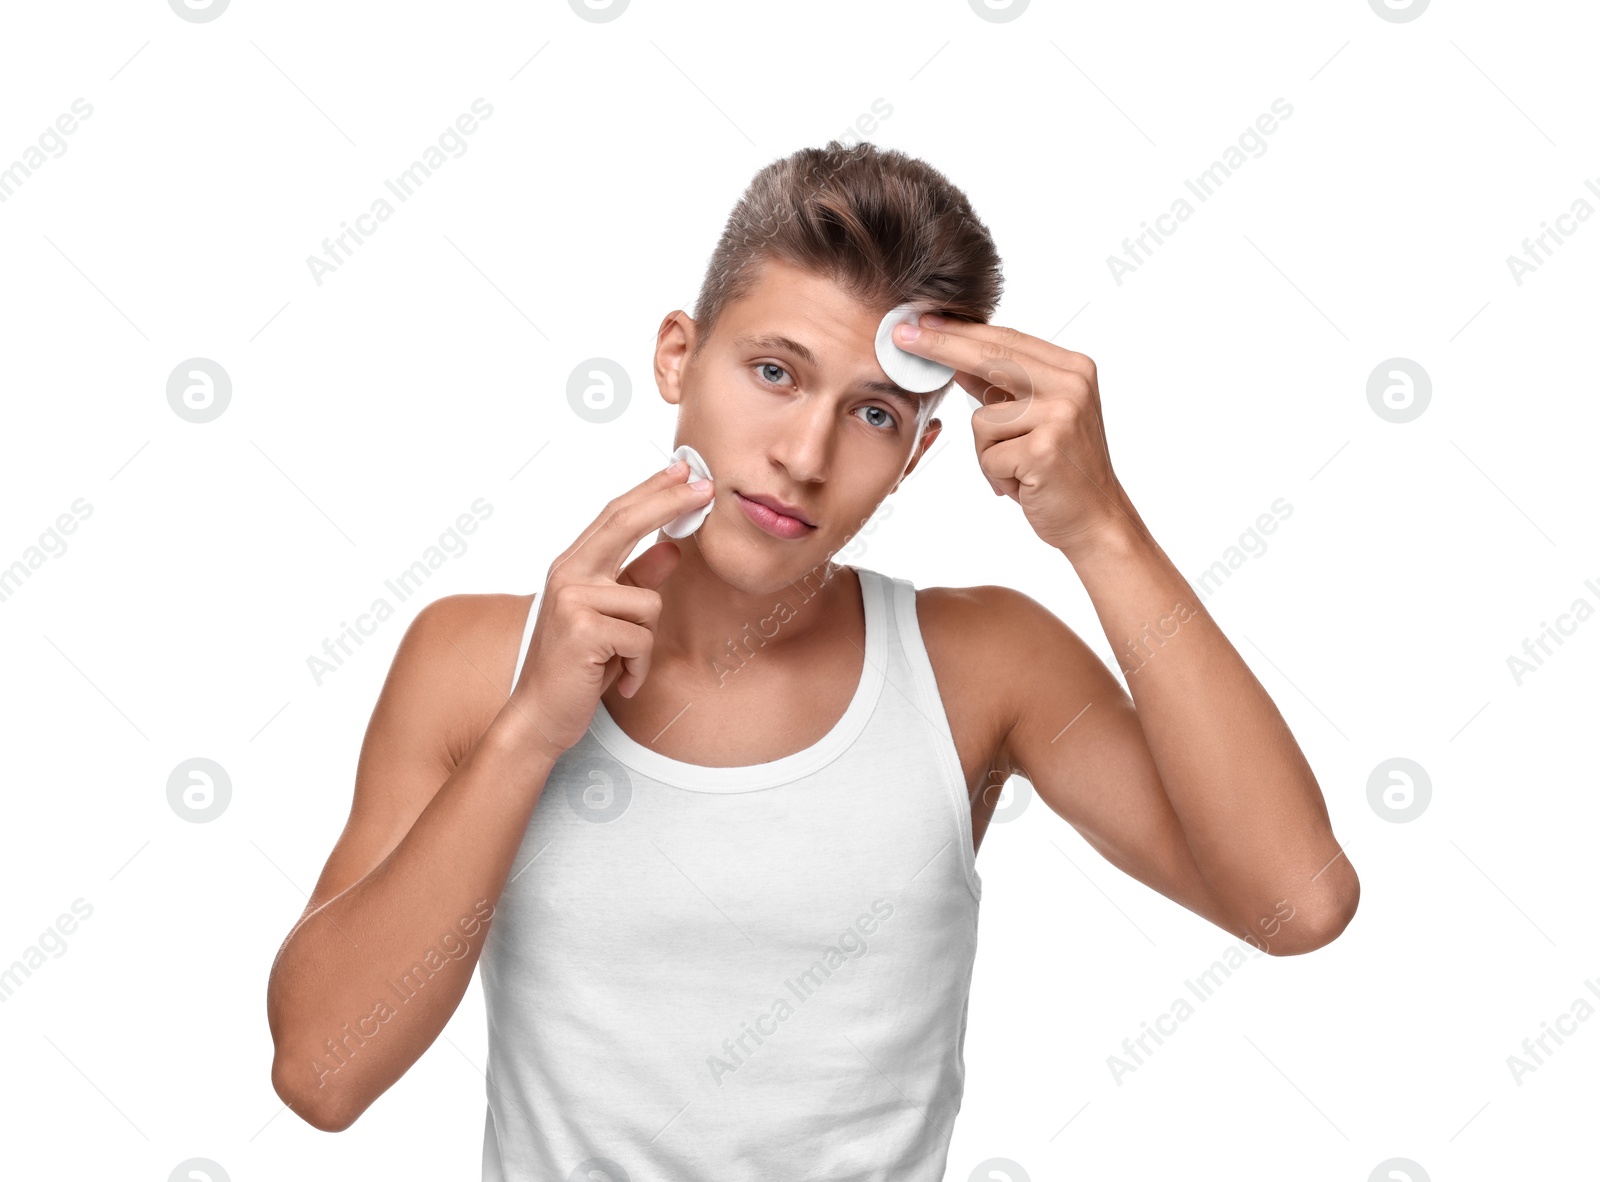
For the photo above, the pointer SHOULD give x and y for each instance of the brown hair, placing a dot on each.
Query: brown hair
(889, 228)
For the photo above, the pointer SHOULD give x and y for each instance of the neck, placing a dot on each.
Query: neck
(709, 624)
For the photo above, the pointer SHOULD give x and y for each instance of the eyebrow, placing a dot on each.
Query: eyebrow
(783, 344)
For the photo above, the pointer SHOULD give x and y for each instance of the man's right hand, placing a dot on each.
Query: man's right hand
(596, 618)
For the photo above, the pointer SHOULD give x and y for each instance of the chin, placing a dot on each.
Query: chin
(759, 569)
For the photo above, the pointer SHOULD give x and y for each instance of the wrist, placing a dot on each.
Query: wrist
(1119, 540)
(519, 731)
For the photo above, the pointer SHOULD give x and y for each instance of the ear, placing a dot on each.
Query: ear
(674, 342)
(929, 434)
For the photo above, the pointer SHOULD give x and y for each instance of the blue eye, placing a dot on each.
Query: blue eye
(889, 424)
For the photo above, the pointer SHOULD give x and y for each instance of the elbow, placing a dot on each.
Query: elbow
(306, 1088)
(1318, 925)
(319, 1112)
(1310, 936)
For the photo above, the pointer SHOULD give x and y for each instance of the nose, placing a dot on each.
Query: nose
(805, 442)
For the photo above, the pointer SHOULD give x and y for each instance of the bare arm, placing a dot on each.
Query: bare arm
(1195, 786)
(374, 969)
(1251, 811)
(443, 799)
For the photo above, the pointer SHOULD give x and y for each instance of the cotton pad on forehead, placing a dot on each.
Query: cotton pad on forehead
(685, 524)
(907, 370)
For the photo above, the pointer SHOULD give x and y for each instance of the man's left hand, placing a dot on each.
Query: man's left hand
(1038, 433)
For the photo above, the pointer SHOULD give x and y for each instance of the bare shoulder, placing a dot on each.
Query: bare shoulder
(448, 679)
(974, 636)
(997, 643)
(988, 625)
(463, 649)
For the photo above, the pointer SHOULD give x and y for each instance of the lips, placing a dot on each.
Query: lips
(778, 506)
(773, 521)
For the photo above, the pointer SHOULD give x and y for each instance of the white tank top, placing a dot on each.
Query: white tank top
(742, 974)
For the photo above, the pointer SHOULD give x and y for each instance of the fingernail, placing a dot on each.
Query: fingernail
(700, 485)
(909, 332)
(675, 466)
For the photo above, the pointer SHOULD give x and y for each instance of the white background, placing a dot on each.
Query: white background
(430, 370)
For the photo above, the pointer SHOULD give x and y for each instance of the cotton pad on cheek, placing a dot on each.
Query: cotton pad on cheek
(907, 370)
(685, 524)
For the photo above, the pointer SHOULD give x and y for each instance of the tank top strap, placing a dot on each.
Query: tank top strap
(527, 639)
(913, 687)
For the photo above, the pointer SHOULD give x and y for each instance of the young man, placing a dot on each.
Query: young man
(720, 806)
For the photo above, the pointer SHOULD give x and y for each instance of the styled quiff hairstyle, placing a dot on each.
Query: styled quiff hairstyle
(887, 227)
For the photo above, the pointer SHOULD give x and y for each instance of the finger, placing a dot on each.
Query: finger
(627, 604)
(998, 462)
(1015, 342)
(631, 645)
(995, 421)
(611, 537)
(1007, 369)
(615, 601)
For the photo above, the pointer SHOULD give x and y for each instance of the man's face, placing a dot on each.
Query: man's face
(786, 400)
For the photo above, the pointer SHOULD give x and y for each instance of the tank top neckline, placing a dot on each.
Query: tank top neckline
(786, 769)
